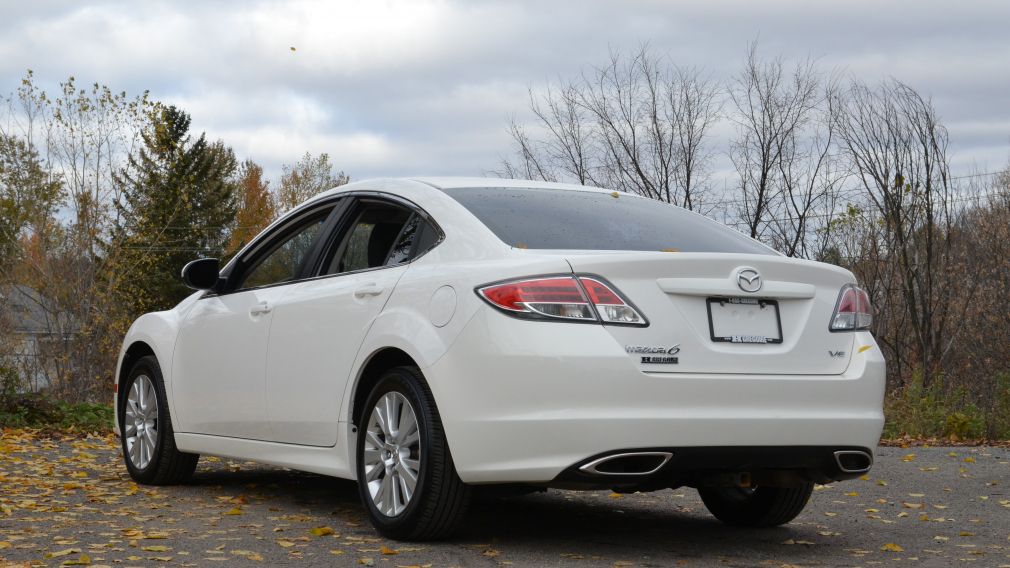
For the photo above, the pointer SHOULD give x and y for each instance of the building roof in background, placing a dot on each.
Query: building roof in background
(25, 310)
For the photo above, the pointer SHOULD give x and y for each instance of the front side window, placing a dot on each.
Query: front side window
(283, 261)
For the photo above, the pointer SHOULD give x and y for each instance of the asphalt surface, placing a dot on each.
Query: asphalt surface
(71, 501)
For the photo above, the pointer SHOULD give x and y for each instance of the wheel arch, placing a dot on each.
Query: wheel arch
(136, 351)
(372, 370)
(152, 334)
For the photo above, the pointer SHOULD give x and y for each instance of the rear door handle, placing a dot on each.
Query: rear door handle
(260, 309)
(368, 290)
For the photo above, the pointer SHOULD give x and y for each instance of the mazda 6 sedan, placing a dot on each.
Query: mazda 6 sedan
(432, 337)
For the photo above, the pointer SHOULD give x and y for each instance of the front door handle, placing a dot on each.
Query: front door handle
(372, 289)
(260, 309)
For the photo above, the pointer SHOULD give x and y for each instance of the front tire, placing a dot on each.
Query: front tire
(145, 424)
(406, 476)
(757, 507)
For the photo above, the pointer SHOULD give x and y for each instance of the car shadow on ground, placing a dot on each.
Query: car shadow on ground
(664, 524)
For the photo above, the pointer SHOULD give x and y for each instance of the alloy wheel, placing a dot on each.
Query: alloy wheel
(141, 422)
(392, 453)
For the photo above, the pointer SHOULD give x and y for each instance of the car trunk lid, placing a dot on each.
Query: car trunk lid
(726, 313)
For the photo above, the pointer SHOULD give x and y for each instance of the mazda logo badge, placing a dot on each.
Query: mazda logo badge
(748, 279)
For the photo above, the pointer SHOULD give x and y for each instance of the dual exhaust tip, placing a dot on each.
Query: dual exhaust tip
(628, 463)
(646, 463)
(853, 461)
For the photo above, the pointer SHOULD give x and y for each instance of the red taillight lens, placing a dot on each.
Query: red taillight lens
(544, 297)
(853, 311)
(562, 297)
(609, 304)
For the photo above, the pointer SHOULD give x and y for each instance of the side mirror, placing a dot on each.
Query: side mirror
(202, 274)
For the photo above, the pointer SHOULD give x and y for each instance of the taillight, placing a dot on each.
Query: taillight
(610, 306)
(852, 311)
(562, 297)
(546, 297)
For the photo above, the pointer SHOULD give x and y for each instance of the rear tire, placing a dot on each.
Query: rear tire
(387, 457)
(758, 507)
(146, 433)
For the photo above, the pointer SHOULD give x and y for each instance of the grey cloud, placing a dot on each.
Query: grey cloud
(425, 87)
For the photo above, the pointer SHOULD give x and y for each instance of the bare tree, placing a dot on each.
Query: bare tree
(898, 151)
(784, 154)
(638, 124)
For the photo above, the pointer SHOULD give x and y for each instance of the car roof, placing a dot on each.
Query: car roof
(483, 182)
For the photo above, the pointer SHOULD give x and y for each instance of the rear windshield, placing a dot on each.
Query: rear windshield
(584, 220)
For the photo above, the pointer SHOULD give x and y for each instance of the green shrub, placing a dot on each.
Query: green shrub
(935, 411)
(37, 410)
(999, 416)
(86, 417)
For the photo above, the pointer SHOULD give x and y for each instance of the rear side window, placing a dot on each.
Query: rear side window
(381, 234)
(585, 220)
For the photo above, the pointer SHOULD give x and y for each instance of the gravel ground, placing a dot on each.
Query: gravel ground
(70, 501)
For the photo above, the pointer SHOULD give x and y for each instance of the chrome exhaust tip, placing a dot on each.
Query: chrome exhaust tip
(628, 463)
(853, 461)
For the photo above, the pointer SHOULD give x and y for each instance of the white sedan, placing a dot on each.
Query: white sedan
(427, 337)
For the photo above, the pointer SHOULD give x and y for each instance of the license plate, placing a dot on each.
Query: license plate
(744, 320)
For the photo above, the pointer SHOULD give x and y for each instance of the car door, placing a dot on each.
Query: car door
(220, 355)
(320, 324)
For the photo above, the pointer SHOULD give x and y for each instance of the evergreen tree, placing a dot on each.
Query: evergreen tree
(178, 204)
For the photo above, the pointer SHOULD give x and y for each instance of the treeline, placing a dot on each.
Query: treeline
(103, 198)
(826, 168)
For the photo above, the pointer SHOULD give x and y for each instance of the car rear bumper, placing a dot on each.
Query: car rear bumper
(524, 402)
(656, 468)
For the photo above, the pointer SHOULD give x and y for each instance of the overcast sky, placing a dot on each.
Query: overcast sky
(425, 87)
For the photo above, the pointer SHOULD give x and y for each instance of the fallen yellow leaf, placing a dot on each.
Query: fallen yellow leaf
(82, 560)
(891, 547)
(321, 531)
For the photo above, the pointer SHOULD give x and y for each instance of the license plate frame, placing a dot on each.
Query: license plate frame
(744, 338)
